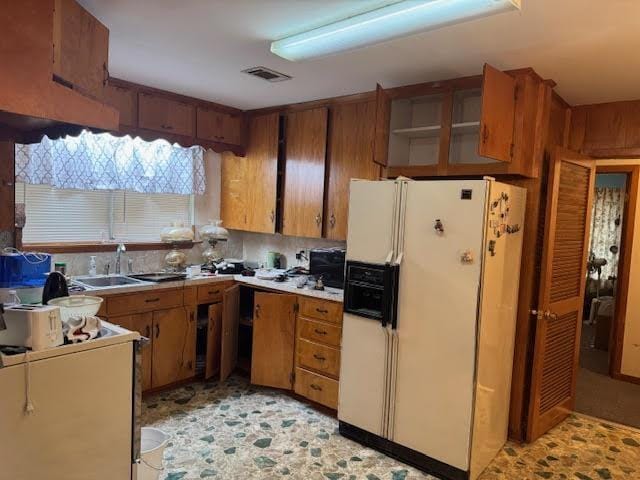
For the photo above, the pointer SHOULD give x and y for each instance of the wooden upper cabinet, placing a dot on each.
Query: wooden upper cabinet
(305, 157)
(261, 173)
(125, 100)
(351, 138)
(383, 117)
(163, 114)
(498, 115)
(274, 320)
(80, 49)
(218, 126)
(233, 197)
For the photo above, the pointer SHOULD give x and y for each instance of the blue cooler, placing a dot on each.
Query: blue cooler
(24, 270)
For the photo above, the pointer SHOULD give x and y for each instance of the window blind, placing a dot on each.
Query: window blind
(56, 215)
(142, 216)
(62, 215)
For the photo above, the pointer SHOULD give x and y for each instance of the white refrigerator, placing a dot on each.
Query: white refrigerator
(431, 292)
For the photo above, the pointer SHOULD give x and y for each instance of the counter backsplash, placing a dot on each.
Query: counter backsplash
(256, 246)
(249, 246)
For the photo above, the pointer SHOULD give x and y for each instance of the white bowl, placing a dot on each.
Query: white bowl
(76, 305)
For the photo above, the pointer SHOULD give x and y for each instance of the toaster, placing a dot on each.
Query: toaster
(37, 327)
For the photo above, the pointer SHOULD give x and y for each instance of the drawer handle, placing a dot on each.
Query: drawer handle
(322, 310)
(152, 300)
(166, 127)
(319, 357)
(320, 332)
(316, 387)
(214, 292)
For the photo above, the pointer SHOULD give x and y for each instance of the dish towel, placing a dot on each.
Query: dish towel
(82, 328)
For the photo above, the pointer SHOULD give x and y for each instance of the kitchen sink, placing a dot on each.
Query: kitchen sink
(107, 281)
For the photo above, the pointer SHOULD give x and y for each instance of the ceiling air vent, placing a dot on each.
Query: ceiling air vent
(267, 74)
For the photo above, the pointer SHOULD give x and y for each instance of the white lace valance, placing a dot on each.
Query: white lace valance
(104, 162)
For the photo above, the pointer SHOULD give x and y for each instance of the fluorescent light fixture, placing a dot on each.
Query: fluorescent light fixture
(392, 21)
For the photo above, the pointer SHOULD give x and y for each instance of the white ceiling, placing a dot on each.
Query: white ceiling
(198, 48)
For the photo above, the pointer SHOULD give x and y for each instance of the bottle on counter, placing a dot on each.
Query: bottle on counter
(92, 266)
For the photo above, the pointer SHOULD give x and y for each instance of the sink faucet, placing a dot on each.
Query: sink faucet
(119, 251)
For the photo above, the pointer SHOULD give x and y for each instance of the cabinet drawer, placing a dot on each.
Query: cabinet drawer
(317, 388)
(319, 332)
(211, 293)
(165, 115)
(318, 357)
(144, 302)
(321, 309)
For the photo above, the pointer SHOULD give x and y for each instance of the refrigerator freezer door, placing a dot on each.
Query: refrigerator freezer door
(432, 399)
(373, 209)
(372, 217)
(498, 308)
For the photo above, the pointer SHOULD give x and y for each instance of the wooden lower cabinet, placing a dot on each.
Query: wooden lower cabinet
(143, 324)
(274, 323)
(297, 352)
(320, 389)
(173, 346)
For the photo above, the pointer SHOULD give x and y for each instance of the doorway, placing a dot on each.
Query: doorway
(599, 391)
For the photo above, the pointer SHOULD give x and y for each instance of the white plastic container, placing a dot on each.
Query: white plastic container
(76, 305)
(153, 443)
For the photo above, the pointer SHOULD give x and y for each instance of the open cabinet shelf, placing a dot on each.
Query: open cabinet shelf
(470, 126)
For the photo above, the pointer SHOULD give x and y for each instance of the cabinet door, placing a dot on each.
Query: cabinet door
(214, 332)
(230, 322)
(125, 100)
(163, 114)
(233, 195)
(143, 324)
(383, 117)
(306, 141)
(174, 339)
(498, 115)
(80, 48)
(274, 320)
(219, 126)
(350, 153)
(261, 174)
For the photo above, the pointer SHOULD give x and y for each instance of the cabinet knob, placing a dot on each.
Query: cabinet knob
(318, 219)
(272, 216)
(157, 330)
(332, 220)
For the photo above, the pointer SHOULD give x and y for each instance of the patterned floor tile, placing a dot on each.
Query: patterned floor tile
(237, 431)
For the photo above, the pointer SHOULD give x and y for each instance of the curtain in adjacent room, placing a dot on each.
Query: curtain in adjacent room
(606, 228)
(104, 162)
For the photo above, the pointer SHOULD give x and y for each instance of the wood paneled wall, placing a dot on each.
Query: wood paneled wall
(556, 118)
(7, 194)
(606, 129)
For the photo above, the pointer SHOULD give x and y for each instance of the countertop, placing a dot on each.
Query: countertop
(289, 286)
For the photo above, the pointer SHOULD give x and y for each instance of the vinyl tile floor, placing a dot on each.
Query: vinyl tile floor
(233, 430)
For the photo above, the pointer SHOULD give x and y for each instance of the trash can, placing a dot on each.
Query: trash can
(153, 443)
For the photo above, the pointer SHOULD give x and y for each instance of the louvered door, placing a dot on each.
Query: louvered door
(562, 284)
